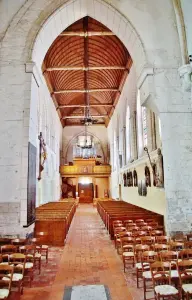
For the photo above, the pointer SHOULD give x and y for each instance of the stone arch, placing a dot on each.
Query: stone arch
(74, 10)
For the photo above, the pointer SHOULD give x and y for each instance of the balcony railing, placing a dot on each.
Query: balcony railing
(82, 170)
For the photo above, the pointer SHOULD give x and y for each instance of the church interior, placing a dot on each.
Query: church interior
(96, 149)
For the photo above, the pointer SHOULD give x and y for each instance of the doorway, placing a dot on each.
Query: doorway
(85, 192)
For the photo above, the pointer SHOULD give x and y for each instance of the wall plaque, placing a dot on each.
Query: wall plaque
(31, 184)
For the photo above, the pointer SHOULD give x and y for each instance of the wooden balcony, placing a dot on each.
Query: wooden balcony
(85, 170)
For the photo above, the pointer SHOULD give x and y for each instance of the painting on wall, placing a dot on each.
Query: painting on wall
(142, 188)
(31, 184)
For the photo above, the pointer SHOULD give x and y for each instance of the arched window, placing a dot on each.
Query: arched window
(115, 151)
(144, 123)
(128, 146)
(139, 125)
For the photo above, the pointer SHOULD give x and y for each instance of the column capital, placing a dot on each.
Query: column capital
(29, 67)
(185, 73)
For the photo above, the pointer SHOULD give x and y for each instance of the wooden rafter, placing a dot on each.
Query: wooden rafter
(81, 117)
(87, 91)
(66, 68)
(86, 63)
(84, 105)
(87, 33)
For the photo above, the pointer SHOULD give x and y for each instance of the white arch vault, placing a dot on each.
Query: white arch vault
(74, 10)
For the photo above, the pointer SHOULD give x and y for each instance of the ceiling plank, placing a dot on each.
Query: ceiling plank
(87, 91)
(49, 85)
(82, 105)
(121, 85)
(81, 117)
(87, 33)
(66, 68)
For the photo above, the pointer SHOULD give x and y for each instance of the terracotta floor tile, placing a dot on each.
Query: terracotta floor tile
(89, 257)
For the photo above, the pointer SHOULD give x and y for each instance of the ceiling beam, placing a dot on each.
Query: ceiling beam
(86, 91)
(81, 117)
(79, 124)
(51, 69)
(82, 105)
(87, 33)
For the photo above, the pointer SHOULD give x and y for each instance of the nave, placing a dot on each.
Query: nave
(88, 258)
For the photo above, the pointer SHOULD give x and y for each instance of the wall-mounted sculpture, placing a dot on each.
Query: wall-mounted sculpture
(157, 168)
(160, 170)
(147, 176)
(135, 178)
(154, 168)
(124, 179)
(131, 178)
(42, 154)
(142, 188)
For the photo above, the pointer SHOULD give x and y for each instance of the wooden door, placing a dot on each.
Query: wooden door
(85, 192)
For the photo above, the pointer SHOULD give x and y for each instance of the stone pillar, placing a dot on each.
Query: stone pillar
(163, 91)
(177, 157)
(15, 95)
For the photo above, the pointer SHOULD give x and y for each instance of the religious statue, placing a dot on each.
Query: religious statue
(160, 172)
(42, 154)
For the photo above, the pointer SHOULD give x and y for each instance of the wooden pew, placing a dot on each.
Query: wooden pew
(120, 210)
(54, 218)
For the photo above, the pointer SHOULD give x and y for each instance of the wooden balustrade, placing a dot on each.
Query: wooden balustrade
(85, 169)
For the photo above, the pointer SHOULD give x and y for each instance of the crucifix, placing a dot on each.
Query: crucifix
(42, 154)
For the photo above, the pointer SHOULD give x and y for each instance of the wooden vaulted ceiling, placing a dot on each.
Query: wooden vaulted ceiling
(87, 65)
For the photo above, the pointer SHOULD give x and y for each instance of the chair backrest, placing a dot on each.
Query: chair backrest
(141, 233)
(139, 221)
(160, 247)
(125, 234)
(162, 239)
(119, 229)
(169, 256)
(185, 254)
(19, 242)
(176, 245)
(139, 249)
(126, 241)
(156, 232)
(28, 250)
(8, 249)
(188, 244)
(18, 260)
(128, 221)
(6, 275)
(161, 273)
(147, 240)
(184, 268)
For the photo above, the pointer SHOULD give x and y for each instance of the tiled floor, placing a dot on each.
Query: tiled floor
(89, 257)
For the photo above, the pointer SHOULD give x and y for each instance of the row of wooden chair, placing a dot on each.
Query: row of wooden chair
(140, 255)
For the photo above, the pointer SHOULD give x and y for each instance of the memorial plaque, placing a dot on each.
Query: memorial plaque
(31, 186)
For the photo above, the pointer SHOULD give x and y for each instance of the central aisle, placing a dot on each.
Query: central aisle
(89, 257)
